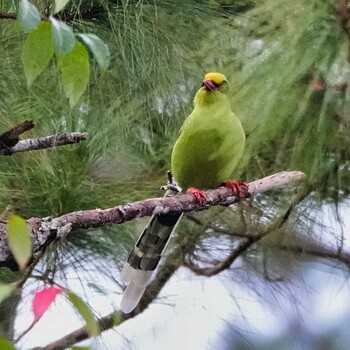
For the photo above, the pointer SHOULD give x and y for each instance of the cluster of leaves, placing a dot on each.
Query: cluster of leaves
(50, 37)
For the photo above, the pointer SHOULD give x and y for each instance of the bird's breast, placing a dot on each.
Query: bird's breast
(206, 154)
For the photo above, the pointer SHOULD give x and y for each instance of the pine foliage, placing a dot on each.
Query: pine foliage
(288, 67)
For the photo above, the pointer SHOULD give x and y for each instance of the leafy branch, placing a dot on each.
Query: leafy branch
(49, 38)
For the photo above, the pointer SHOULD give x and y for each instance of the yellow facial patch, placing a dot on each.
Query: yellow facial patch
(217, 78)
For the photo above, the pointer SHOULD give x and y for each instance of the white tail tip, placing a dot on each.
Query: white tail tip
(137, 281)
(131, 297)
(126, 274)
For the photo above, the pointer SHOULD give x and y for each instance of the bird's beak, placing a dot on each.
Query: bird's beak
(209, 85)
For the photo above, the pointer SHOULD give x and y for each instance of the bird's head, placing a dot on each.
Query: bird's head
(213, 90)
(214, 82)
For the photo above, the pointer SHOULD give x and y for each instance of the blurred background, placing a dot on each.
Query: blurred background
(289, 73)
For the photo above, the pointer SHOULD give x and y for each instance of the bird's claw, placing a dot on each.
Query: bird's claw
(239, 188)
(200, 196)
(171, 185)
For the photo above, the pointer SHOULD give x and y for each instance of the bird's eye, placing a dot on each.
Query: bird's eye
(202, 83)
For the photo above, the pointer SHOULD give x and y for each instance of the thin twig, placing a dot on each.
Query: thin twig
(26, 331)
(247, 242)
(80, 334)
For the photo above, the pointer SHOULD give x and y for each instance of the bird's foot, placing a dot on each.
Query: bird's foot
(200, 196)
(239, 188)
(171, 185)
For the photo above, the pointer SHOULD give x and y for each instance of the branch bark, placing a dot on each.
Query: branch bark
(44, 142)
(11, 137)
(8, 15)
(46, 230)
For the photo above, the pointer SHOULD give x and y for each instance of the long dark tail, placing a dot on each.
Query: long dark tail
(145, 256)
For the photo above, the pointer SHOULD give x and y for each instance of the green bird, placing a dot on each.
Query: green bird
(209, 146)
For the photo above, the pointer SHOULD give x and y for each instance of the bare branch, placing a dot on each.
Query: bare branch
(80, 334)
(44, 142)
(243, 245)
(45, 230)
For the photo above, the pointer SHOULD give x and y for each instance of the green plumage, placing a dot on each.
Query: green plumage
(209, 146)
(210, 143)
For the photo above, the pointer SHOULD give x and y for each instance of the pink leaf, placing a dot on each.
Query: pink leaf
(43, 299)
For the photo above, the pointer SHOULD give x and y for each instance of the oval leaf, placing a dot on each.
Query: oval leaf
(6, 344)
(63, 36)
(19, 240)
(37, 51)
(98, 48)
(28, 15)
(43, 299)
(92, 327)
(60, 4)
(75, 71)
(5, 291)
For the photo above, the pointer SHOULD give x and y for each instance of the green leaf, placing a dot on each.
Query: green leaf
(37, 51)
(6, 344)
(8, 276)
(98, 48)
(63, 36)
(75, 70)
(19, 240)
(5, 291)
(28, 15)
(91, 326)
(60, 4)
